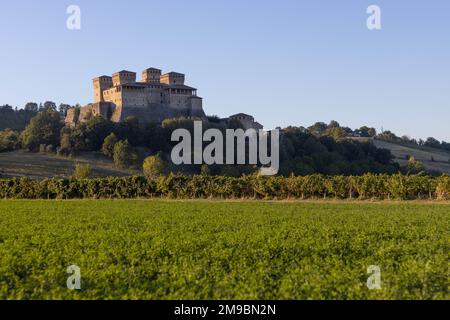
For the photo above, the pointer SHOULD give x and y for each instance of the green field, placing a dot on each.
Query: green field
(223, 250)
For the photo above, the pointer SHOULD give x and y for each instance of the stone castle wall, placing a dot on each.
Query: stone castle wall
(155, 98)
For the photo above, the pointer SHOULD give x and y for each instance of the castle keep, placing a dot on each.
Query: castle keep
(155, 98)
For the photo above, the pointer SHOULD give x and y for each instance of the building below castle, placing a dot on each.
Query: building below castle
(247, 121)
(155, 98)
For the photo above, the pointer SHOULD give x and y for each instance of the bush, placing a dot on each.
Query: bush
(82, 171)
(443, 188)
(154, 166)
(49, 149)
(42, 148)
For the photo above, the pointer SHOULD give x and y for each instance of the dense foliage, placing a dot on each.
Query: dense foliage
(368, 186)
(44, 129)
(322, 148)
(15, 119)
(301, 151)
(222, 250)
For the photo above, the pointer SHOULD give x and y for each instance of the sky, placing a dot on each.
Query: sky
(286, 62)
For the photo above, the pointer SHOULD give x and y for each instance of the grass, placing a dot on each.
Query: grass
(424, 154)
(223, 250)
(38, 166)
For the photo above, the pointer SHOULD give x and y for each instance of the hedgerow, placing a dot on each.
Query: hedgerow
(369, 186)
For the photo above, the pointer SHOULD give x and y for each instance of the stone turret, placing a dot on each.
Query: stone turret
(100, 84)
(151, 75)
(172, 78)
(123, 77)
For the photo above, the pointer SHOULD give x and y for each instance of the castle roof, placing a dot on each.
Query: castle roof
(103, 77)
(154, 69)
(241, 115)
(124, 71)
(180, 86)
(174, 73)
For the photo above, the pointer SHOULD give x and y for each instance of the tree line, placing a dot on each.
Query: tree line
(319, 149)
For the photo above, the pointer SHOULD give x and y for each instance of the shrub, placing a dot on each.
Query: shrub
(42, 148)
(204, 170)
(82, 171)
(443, 188)
(414, 166)
(154, 166)
(49, 148)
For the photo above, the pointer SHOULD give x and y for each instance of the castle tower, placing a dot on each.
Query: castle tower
(100, 84)
(123, 77)
(172, 78)
(151, 75)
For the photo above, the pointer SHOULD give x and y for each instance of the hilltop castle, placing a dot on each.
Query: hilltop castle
(155, 98)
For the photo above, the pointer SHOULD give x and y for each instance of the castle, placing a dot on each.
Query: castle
(155, 98)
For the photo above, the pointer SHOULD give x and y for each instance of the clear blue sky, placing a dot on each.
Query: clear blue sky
(286, 62)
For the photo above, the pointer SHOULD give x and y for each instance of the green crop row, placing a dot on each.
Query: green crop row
(222, 250)
(369, 186)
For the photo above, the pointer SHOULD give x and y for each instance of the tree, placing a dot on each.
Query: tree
(43, 129)
(64, 142)
(63, 109)
(334, 124)
(366, 132)
(432, 142)
(336, 133)
(414, 166)
(108, 145)
(124, 155)
(82, 171)
(318, 129)
(130, 130)
(48, 106)
(154, 166)
(9, 140)
(372, 132)
(32, 107)
(90, 135)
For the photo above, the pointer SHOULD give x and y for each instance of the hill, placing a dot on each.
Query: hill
(38, 166)
(441, 158)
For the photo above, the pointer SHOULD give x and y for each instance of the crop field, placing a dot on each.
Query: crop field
(155, 249)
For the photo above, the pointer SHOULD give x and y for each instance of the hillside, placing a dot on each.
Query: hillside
(39, 166)
(441, 158)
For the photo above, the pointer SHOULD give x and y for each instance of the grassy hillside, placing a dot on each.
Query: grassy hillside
(35, 165)
(223, 250)
(441, 158)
